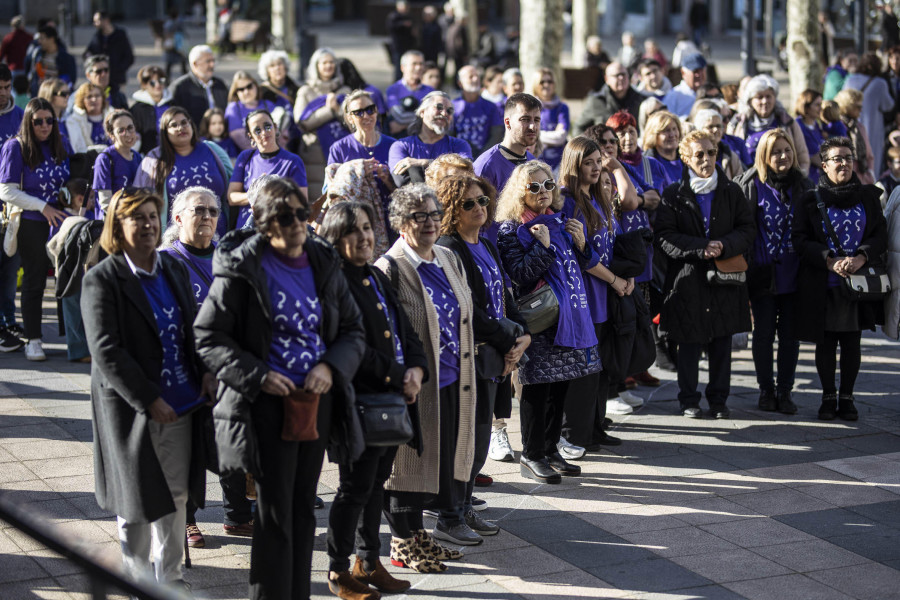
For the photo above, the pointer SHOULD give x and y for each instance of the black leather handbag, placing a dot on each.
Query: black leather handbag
(384, 418)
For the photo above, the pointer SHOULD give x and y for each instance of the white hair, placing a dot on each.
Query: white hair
(705, 116)
(428, 99)
(759, 84)
(509, 74)
(409, 55)
(197, 51)
(179, 205)
(269, 58)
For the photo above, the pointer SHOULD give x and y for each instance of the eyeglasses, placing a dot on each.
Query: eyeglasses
(247, 87)
(203, 211)
(608, 141)
(266, 127)
(63, 94)
(469, 203)
(421, 217)
(40, 122)
(535, 187)
(449, 110)
(286, 219)
(156, 83)
(368, 110)
(547, 82)
(121, 130)
(712, 152)
(100, 71)
(844, 159)
(179, 124)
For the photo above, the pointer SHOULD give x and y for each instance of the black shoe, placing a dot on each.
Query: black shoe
(767, 400)
(320, 503)
(539, 470)
(691, 412)
(828, 410)
(9, 342)
(663, 361)
(607, 422)
(786, 405)
(603, 439)
(846, 410)
(719, 412)
(559, 464)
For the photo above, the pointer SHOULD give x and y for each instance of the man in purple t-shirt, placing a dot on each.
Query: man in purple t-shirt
(412, 66)
(522, 124)
(478, 121)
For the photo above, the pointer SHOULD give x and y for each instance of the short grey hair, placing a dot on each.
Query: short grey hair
(759, 84)
(179, 205)
(406, 199)
(197, 51)
(509, 74)
(705, 116)
(409, 55)
(429, 98)
(269, 58)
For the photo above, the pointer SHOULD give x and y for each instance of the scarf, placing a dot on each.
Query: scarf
(840, 195)
(632, 158)
(703, 185)
(782, 183)
(756, 123)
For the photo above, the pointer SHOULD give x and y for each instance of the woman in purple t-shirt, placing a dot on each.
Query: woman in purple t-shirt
(244, 97)
(116, 166)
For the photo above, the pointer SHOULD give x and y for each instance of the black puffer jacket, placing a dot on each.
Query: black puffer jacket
(694, 311)
(234, 334)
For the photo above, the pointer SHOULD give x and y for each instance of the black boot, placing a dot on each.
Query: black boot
(828, 410)
(786, 404)
(846, 410)
(767, 400)
(663, 360)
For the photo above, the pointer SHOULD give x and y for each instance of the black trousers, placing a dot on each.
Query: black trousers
(285, 525)
(585, 409)
(503, 401)
(826, 360)
(541, 414)
(32, 242)
(238, 509)
(719, 351)
(357, 508)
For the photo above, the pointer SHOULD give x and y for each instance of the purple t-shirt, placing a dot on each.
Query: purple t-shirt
(200, 167)
(199, 268)
(349, 148)
(412, 146)
(551, 118)
(112, 172)
(705, 202)
(435, 282)
(329, 132)
(849, 225)
(601, 242)
(98, 133)
(236, 113)
(250, 164)
(10, 122)
(474, 120)
(774, 220)
(297, 316)
(496, 168)
(43, 182)
(227, 144)
(398, 91)
(674, 168)
(493, 280)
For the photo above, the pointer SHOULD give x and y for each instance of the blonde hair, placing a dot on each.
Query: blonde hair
(82, 92)
(122, 205)
(511, 203)
(846, 98)
(656, 124)
(536, 80)
(831, 112)
(684, 146)
(446, 165)
(764, 151)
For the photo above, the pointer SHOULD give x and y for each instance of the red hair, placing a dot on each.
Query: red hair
(621, 120)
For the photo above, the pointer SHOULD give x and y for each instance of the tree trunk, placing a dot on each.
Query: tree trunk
(469, 8)
(540, 44)
(584, 25)
(803, 47)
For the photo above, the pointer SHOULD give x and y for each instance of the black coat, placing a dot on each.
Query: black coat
(600, 106)
(809, 239)
(145, 123)
(189, 94)
(234, 334)
(486, 328)
(118, 48)
(125, 379)
(694, 311)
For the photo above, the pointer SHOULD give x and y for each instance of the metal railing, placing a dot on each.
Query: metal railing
(104, 578)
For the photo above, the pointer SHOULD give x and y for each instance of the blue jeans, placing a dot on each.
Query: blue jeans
(76, 341)
(9, 270)
(774, 313)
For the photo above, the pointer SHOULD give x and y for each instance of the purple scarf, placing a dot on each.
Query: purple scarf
(331, 131)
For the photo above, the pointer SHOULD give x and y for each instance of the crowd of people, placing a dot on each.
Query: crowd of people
(302, 267)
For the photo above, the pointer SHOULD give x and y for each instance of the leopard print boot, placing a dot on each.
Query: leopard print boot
(406, 552)
(435, 549)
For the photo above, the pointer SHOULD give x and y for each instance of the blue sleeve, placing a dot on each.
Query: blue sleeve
(462, 147)
(298, 173)
(333, 156)
(240, 166)
(563, 116)
(398, 152)
(12, 164)
(233, 117)
(103, 172)
(636, 178)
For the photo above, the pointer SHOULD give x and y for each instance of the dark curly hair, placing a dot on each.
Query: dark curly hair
(451, 193)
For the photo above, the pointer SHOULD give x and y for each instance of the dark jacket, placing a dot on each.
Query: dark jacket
(234, 334)
(695, 311)
(189, 93)
(145, 123)
(600, 106)
(809, 239)
(760, 278)
(486, 328)
(65, 67)
(125, 379)
(272, 95)
(118, 48)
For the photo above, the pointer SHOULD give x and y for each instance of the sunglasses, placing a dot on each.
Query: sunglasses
(203, 211)
(267, 127)
(421, 217)
(41, 122)
(247, 87)
(287, 219)
(369, 110)
(449, 110)
(469, 203)
(156, 83)
(535, 187)
(710, 153)
(63, 94)
(100, 71)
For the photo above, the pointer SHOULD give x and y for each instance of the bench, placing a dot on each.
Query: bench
(580, 81)
(246, 33)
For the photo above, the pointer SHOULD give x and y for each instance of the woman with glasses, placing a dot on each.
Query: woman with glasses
(702, 218)
(710, 120)
(282, 334)
(117, 166)
(182, 161)
(540, 246)
(265, 156)
(469, 202)
(150, 102)
(829, 316)
(432, 289)
(34, 165)
(555, 122)
(56, 92)
(773, 187)
(147, 385)
(244, 97)
(85, 122)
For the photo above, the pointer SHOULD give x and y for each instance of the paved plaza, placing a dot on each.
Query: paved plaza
(758, 506)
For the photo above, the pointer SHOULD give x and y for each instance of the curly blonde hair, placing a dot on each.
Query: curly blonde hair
(82, 92)
(444, 166)
(511, 203)
(451, 193)
(656, 124)
(684, 146)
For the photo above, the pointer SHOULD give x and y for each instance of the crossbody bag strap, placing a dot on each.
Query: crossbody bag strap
(828, 226)
(193, 267)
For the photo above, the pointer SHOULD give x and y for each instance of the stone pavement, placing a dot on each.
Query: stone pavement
(758, 506)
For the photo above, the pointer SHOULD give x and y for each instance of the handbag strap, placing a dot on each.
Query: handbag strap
(828, 226)
(193, 267)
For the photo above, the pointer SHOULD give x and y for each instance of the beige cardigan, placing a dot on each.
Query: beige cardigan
(411, 472)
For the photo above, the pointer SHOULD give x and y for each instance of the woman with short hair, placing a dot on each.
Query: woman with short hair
(277, 86)
(117, 166)
(808, 109)
(150, 102)
(555, 122)
(850, 103)
(660, 139)
(244, 97)
(85, 123)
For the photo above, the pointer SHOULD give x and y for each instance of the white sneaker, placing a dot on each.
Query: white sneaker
(569, 451)
(34, 350)
(631, 399)
(617, 406)
(500, 449)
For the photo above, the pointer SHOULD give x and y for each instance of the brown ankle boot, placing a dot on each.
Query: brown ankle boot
(379, 578)
(349, 588)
